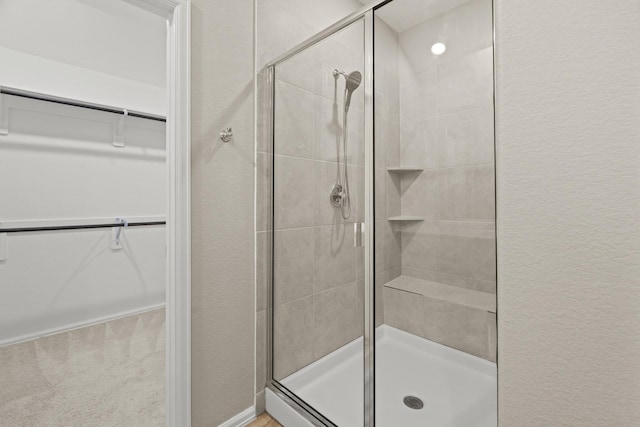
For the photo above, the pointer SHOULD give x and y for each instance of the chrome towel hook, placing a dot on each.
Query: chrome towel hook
(226, 134)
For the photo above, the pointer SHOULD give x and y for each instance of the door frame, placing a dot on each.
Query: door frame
(178, 229)
(178, 314)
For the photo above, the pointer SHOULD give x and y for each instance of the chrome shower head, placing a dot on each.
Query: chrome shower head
(353, 82)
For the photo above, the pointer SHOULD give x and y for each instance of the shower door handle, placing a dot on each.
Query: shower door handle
(358, 228)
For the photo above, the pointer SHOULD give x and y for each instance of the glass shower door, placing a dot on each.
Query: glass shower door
(317, 298)
(435, 218)
(383, 228)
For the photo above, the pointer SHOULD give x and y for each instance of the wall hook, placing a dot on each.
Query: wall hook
(226, 134)
(116, 242)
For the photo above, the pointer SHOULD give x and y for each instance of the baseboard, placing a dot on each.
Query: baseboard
(82, 324)
(260, 403)
(242, 419)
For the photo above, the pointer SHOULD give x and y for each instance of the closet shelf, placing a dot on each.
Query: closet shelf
(406, 218)
(404, 169)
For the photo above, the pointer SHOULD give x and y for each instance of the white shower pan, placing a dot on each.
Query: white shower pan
(458, 389)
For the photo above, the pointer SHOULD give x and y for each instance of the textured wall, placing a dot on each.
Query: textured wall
(568, 135)
(222, 210)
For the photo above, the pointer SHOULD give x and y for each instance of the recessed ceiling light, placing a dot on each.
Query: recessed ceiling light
(438, 48)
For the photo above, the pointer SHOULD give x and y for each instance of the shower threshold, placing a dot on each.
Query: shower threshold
(458, 389)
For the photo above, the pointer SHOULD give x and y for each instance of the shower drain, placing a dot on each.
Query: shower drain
(413, 402)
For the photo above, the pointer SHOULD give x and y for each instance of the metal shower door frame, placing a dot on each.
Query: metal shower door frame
(369, 231)
(300, 406)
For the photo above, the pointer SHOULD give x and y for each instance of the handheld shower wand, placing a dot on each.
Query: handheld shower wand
(340, 195)
(352, 83)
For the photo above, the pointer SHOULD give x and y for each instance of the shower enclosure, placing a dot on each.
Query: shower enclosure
(379, 194)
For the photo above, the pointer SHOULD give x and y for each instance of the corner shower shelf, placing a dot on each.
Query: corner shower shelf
(406, 218)
(404, 169)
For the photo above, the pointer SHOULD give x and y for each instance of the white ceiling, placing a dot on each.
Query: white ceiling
(404, 14)
(109, 36)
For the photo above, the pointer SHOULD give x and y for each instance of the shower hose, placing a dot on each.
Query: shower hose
(343, 174)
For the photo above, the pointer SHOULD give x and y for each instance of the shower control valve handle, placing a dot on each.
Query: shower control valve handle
(337, 196)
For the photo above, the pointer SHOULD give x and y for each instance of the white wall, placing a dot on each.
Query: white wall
(56, 281)
(103, 51)
(108, 36)
(59, 163)
(24, 71)
(568, 145)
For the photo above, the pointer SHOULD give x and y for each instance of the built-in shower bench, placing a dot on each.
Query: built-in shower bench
(457, 317)
(453, 294)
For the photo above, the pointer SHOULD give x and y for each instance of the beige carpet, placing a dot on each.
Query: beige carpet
(111, 374)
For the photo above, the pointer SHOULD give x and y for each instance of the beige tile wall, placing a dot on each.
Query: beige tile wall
(446, 105)
(319, 274)
(318, 292)
(317, 299)
(387, 154)
(463, 327)
(445, 124)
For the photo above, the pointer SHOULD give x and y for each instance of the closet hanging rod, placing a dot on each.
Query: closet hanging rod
(80, 226)
(75, 103)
